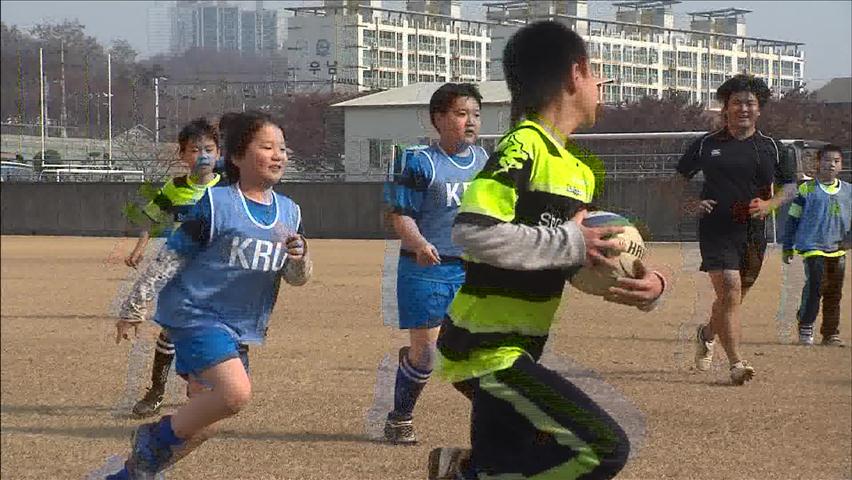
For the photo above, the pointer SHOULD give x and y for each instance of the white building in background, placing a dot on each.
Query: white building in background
(373, 124)
(358, 45)
(177, 26)
(647, 56)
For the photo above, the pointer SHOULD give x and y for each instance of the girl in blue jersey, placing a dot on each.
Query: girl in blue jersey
(424, 200)
(220, 275)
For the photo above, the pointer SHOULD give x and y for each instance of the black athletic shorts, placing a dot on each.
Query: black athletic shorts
(739, 249)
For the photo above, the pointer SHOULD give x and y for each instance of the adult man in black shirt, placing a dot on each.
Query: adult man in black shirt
(740, 166)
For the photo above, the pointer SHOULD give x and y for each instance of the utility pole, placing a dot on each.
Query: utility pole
(41, 82)
(20, 104)
(109, 111)
(88, 95)
(156, 110)
(64, 113)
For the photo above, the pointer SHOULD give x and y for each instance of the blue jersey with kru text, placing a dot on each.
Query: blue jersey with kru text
(430, 187)
(231, 280)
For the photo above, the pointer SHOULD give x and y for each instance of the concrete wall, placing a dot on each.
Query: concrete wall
(343, 210)
(330, 210)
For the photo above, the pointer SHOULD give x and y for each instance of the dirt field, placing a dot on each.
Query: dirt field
(62, 376)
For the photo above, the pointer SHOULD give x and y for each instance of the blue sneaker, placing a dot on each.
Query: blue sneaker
(151, 453)
(122, 474)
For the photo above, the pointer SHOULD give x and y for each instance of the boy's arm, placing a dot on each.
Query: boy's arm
(484, 228)
(183, 244)
(135, 306)
(404, 197)
(520, 247)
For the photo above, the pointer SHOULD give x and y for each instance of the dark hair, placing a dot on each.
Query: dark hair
(447, 93)
(196, 130)
(827, 149)
(537, 63)
(240, 131)
(743, 83)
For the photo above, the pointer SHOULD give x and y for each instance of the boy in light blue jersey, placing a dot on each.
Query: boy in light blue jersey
(424, 200)
(168, 207)
(220, 273)
(819, 230)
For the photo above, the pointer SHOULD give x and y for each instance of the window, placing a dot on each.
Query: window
(370, 58)
(441, 64)
(628, 74)
(427, 43)
(594, 50)
(610, 94)
(653, 76)
(668, 59)
(653, 56)
(468, 48)
(685, 79)
(380, 154)
(717, 62)
(640, 75)
(687, 59)
(369, 38)
(387, 40)
(441, 45)
(389, 59)
(427, 62)
(628, 54)
(468, 68)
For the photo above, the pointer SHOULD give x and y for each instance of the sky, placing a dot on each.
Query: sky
(825, 27)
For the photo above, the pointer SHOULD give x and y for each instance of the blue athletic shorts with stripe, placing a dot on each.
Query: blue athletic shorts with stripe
(423, 294)
(198, 349)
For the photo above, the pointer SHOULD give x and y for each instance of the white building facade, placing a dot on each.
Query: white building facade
(358, 45)
(646, 56)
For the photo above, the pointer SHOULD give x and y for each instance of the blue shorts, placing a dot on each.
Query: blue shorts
(199, 349)
(423, 294)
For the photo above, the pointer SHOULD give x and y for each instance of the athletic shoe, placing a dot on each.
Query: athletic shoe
(833, 341)
(122, 474)
(703, 351)
(400, 430)
(806, 340)
(150, 403)
(147, 456)
(741, 373)
(447, 463)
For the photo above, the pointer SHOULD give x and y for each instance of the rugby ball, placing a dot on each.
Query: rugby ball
(597, 279)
